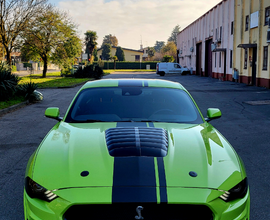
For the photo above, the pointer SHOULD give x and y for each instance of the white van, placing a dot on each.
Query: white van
(166, 68)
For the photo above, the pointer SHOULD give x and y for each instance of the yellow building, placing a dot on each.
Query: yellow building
(250, 42)
(130, 55)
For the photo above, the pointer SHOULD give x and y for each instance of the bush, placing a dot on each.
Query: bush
(168, 58)
(90, 71)
(25, 65)
(14, 69)
(8, 82)
(27, 90)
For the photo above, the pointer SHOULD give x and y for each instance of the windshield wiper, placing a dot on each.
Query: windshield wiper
(147, 120)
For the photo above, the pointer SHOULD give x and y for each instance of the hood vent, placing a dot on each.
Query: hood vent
(137, 141)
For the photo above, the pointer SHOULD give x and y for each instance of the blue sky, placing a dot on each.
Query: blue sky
(134, 21)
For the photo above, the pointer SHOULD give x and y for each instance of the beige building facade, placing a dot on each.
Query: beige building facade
(251, 57)
(130, 54)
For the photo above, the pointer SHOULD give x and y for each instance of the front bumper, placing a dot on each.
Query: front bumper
(191, 199)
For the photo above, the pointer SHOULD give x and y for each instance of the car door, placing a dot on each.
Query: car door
(177, 68)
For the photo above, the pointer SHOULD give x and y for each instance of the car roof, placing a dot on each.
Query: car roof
(133, 82)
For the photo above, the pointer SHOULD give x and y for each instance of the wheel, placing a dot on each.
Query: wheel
(162, 73)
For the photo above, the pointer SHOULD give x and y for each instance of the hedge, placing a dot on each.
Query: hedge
(129, 65)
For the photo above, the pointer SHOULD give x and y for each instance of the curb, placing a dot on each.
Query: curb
(13, 108)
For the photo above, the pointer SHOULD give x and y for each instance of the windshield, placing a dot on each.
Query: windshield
(134, 104)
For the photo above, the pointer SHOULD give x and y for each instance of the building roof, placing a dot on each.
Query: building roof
(139, 51)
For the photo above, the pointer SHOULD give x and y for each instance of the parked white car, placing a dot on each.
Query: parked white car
(167, 68)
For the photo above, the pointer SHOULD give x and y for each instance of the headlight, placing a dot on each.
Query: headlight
(237, 192)
(34, 190)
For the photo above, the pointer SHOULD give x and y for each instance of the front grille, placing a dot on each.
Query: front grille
(127, 211)
(137, 141)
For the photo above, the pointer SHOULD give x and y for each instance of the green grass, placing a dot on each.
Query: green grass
(52, 74)
(53, 81)
(13, 101)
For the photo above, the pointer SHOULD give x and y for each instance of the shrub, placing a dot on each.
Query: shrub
(168, 58)
(8, 82)
(98, 73)
(90, 71)
(28, 91)
(14, 69)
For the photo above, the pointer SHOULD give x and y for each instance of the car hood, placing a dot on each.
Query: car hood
(76, 155)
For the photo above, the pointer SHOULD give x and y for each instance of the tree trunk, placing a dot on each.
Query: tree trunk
(45, 67)
(8, 57)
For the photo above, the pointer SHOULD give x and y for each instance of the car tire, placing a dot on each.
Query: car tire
(162, 73)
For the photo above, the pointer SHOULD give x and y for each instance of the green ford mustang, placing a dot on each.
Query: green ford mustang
(135, 149)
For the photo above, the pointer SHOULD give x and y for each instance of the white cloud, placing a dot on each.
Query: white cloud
(128, 20)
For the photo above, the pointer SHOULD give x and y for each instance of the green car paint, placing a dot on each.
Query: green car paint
(70, 149)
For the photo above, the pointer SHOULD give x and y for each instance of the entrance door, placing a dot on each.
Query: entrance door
(208, 58)
(254, 66)
(198, 58)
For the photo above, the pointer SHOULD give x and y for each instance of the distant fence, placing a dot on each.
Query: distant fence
(36, 66)
(129, 65)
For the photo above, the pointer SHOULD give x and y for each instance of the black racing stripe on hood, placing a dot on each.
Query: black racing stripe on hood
(135, 82)
(134, 178)
(162, 180)
(162, 176)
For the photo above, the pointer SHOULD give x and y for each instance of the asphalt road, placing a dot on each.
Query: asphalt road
(245, 126)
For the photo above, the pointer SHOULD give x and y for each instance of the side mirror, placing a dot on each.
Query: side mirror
(213, 113)
(54, 113)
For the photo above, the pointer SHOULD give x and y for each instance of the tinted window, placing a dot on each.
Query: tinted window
(134, 104)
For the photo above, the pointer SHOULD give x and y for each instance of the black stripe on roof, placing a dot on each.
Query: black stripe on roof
(135, 82)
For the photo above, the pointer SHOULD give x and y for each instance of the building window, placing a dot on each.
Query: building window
(216, 33)
(220, 34)
(137, 57)
(231, 58)
(265, 57)
(232, 28)
(247, 23)
(219, 59)
(246, 57)
(267, 15)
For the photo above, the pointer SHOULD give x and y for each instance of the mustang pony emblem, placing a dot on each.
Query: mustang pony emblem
(139, 210)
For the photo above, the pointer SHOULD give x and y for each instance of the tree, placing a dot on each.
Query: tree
(169, 49)
(95, 55)
(106, 52)
(66, 52)
(168, 58)
(50, 32)
(159, 45)
(120, 54)
(114, 60)
(14, 18)
(174, 33)
(109, 39)
(90, 41)
(151, 52)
